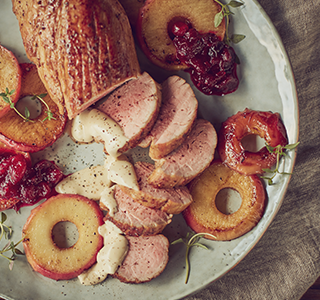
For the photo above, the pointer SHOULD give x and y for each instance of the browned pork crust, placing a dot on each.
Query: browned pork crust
(82, 49)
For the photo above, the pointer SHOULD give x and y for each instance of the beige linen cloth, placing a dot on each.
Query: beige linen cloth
(286, 261)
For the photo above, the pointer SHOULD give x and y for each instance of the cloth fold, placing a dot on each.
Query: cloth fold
(286, 261)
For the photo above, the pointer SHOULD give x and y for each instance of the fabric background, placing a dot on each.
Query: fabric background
(286, 261)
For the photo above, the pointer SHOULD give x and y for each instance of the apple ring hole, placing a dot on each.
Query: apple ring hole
(65, 234)
(32, 104)
(228, 201)
(253, 143)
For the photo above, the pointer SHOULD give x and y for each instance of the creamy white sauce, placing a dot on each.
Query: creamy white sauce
(93, 125)
(121, 171)
(109, 258)
(89, 182)
(97, 182)
(107, 201)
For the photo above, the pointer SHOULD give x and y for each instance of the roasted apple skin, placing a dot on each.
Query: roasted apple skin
(44, 255)
(10, 78)
(155, 21)
(203, 216)
(37, 135)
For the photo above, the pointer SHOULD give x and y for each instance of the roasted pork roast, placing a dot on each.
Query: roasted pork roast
(83, 49)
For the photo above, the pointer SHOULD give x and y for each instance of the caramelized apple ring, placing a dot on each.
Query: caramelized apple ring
(37, 135)
(267, 125)
(44, 255)
(202, 215)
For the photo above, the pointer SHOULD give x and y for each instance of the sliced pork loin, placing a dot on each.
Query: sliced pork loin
(146, 259)
(135, 107)
(136, 219)
(171, 200)
(82, 49)
(177, 114)
(187, 161)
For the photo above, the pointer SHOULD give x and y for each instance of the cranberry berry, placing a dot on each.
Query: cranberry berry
(212, 63)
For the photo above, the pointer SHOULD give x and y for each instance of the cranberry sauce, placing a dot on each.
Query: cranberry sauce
(211, 62)
(28, 184)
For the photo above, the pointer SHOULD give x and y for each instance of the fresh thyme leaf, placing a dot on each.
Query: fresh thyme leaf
(191, 240)
(3, 217)
(291, 146)
(10, 245)
(42, 95)
(279, 150)
(18, 252)
(218, 18)
(27, 113)
(6, 97)
(225, 13)
(234, 3)
(237, 38)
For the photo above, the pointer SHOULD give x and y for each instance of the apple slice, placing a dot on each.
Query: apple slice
(37, 134)
(203, 214)
(10, 77)
(155, 25)
(44, 255)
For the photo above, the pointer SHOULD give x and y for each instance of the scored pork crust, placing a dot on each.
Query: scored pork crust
(83, 49)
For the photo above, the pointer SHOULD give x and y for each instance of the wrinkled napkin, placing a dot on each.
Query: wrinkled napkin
(286, 261)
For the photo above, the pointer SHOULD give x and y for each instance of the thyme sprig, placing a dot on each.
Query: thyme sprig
(191, 240)
(6, 96)
(280, 151)
(6, 231)
(225, 13)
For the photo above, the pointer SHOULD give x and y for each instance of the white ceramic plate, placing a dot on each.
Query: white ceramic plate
(266, 83)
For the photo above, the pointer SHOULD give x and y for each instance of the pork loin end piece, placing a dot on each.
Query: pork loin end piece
(83, 49)
(146, 259)
(170, 200)
(176, 117)
(135, 107)
(135, 219)
(189, 160)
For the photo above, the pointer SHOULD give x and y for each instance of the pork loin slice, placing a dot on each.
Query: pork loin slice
(187, 161)
(135, 107)
(82, 49)
(136, 219)
(171, 200)
(177, 114)
(146, 259)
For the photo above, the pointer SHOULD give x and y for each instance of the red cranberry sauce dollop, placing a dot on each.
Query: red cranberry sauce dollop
(28, 184)
(211, 62)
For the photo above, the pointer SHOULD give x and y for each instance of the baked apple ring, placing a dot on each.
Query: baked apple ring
(44, 255)
(203, 216)
(38, 134)
(267, 125)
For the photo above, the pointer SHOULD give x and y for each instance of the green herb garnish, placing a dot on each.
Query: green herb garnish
(225, 13)
(7, 98)
(191, 240)
(6, 231)
(280, 151)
